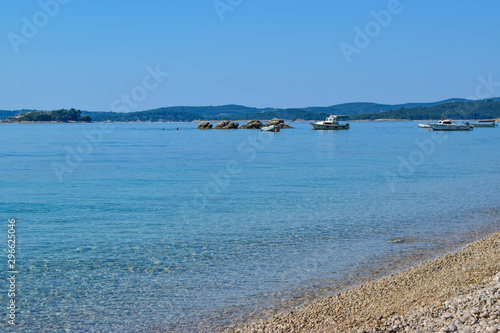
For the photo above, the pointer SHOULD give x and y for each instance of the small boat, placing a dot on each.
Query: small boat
(485, 123)
(424, 126)
(450, 125)
(271, 128)
(331, 123)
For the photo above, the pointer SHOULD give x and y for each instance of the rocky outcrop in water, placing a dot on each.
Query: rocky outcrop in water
(252, 124)
(226, 124)
(279, 122)
(204, 125)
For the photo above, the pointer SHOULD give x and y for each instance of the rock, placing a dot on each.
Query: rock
(275, 121)
(492, 329)
(452, 327)
(483, 323)
(226, 124)
(279, 122)
(252, 124)
(204, 125)
(468, 329)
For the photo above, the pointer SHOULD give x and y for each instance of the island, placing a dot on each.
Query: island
(56, 116)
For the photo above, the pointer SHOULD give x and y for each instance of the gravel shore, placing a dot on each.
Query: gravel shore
(459, 292)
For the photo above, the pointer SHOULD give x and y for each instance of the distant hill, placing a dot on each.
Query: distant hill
(6, 113)
(233, 111)
(156, 115)
(456, 110)
(451, 107)
(288, 114)
(363, 108)
(219, 111)
(488, 109)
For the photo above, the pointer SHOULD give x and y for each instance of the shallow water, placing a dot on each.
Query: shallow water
(122, 227)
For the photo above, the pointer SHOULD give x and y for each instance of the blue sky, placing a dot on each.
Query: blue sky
(92, 54)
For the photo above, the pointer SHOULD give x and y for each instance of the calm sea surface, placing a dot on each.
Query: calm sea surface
(142, 227)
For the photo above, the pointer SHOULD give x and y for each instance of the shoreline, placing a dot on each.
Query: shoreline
(214, 121)
(428, 297)
(46, 122)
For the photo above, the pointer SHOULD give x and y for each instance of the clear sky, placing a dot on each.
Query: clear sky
(114, 54)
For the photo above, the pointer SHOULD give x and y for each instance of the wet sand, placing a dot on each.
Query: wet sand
(455, 292)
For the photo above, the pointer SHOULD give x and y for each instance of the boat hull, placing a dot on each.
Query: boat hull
(484, 125)
(437, 127)
(329, 127)
(272, 128)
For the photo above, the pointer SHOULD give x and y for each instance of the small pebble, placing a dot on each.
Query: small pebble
(468, 329)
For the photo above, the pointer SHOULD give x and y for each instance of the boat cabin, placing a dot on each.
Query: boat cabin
(333, 119)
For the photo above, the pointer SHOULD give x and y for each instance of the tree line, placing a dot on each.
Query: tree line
(488, 109)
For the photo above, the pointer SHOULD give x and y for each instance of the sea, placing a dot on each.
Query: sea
(161, 227)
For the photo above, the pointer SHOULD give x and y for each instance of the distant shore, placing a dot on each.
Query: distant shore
(215, 121)
(455, 292)
(47, 122)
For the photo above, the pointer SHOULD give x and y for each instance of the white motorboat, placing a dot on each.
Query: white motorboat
(424, 126)
(450, 125)
(271, 128)
(331, 123)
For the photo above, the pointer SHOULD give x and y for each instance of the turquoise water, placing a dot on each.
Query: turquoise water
(142, 227)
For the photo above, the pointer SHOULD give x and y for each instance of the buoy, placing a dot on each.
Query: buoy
(276, 130)
(428, 129)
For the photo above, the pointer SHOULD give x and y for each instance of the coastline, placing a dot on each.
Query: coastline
(46, 122)
(215, 121)
(431, 296)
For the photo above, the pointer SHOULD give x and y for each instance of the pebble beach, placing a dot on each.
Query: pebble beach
(458, 292)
